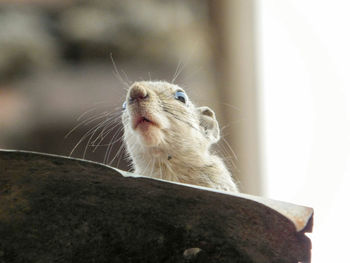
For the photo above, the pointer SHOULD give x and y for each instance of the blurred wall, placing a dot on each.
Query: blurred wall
(55, 65)
(235, 62)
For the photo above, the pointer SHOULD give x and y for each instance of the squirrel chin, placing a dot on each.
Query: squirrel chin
(149, 134)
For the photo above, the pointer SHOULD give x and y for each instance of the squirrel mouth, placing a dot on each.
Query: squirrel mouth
(142, 121)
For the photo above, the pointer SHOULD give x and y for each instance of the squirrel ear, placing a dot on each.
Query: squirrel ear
(208, 122)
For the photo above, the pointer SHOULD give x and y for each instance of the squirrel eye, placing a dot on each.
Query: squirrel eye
(181, 96)
(124, 105)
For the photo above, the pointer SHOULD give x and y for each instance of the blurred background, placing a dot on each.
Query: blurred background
(275, 72)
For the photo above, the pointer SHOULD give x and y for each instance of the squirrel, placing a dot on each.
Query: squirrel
(168, 137)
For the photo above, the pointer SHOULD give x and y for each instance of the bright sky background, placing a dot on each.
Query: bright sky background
(304, 73)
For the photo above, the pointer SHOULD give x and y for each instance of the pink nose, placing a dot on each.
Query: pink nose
(137, 92)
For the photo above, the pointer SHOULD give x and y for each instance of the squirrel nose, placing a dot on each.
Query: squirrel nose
(137, 92)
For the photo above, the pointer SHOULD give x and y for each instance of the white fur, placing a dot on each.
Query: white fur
(177, 147)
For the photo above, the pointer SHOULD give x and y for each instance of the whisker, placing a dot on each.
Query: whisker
(91, 130)
(109, 149)
(230, 148)
(106, 122)
(117, 154)
(127, 78)
(99, 144)
(114, 141)
(187, 60)
(113, 121)
(230, 106)
(176, 117)
(92, 133)
(85, 122)
(86, 112)
(117, 73)
(176, 71)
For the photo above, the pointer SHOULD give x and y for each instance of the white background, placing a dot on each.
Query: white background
(304, 79)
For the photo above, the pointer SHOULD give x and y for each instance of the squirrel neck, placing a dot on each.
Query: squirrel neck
(170, 166)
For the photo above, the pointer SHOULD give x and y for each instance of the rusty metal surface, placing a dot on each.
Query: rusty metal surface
(301, 216)
(57, 209)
